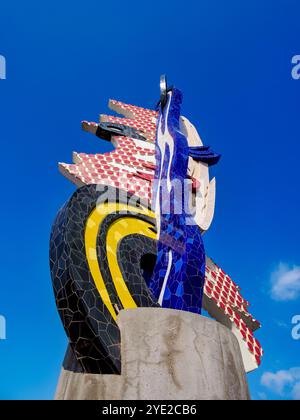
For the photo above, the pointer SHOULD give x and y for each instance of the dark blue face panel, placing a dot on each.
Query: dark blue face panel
(178, 277)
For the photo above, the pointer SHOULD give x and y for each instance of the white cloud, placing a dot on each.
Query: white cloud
(285, 282)
(283, 383)
(262, 396)
(296, 391)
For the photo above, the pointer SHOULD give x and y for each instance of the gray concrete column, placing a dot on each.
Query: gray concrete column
(166, 355)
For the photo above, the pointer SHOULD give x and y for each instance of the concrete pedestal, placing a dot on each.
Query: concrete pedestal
(166, 355)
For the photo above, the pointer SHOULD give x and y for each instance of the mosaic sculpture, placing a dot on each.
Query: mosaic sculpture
(131, 235)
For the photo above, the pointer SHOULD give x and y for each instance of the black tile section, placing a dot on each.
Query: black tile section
(136, 258)
(93, 335)
(128, 260)
(70, 361)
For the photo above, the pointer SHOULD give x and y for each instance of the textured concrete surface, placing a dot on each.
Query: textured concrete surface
(166, 355)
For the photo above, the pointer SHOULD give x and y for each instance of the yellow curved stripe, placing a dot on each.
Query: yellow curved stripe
(116, 232)
(90, 237)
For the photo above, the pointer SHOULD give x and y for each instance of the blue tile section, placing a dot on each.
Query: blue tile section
(178, 277)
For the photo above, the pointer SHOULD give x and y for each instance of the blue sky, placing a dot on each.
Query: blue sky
(233, 62)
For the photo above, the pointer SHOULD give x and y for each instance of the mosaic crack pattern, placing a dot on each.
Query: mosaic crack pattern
(93, 333)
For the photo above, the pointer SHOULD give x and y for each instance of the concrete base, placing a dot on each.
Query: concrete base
(166, 355)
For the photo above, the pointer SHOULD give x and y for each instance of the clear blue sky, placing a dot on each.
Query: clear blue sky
(233, 62)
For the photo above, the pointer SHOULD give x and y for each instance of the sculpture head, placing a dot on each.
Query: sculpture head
(100, 241)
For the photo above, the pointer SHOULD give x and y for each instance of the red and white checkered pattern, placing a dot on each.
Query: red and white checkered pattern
(128, 167)
(141, 119)
(120, 168)
(223, 301)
